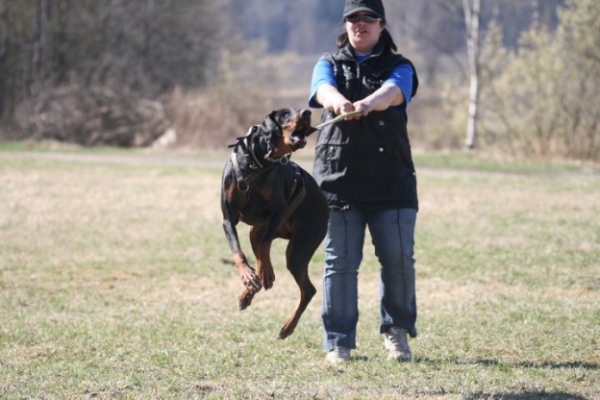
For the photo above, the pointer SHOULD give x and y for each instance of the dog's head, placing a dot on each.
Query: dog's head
(286, 131)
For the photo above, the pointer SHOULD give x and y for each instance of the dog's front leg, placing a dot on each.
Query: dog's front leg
(247, 274)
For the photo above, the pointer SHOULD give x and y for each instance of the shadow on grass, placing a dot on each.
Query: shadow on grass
(522, 364)
(524, 396)
(543, 365)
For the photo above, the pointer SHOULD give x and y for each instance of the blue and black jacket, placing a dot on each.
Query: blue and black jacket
(366, 162)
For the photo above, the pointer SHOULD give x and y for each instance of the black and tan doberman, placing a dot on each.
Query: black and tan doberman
(279, 199)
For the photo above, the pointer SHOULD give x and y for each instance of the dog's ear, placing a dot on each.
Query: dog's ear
(278, 118)
(270, 122)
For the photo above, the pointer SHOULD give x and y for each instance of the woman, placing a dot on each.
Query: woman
(364, 166)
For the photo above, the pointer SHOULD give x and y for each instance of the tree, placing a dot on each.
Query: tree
(4, 45)
(472, 9)
(546, 99)
(141, 47)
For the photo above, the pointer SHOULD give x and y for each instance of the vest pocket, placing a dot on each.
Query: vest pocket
(330, 160)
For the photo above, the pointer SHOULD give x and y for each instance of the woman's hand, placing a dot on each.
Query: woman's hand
(332, 100)
(380, 100)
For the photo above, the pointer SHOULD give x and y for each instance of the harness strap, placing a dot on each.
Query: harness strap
(298, 192)
(243, 183)
(250, 150)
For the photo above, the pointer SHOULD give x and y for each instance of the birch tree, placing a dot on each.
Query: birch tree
(472, 10)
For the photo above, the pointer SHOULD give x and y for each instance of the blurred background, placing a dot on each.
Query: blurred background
(514, 77)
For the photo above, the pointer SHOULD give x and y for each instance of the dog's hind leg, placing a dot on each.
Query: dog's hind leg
(298, 254)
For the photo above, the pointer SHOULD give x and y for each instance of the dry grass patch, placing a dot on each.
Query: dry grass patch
(112, 286)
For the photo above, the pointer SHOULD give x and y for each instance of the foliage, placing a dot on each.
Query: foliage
(538, 93)
(144, 46)
(545, 102)
(93, 116)
(244, 92)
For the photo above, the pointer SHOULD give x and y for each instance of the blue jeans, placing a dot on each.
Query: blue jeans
(392, 232)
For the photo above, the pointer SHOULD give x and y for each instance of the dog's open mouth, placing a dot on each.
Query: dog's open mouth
(298, 142)
(301, 129)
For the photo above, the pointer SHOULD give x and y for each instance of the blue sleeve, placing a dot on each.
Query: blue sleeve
(322, 73)
(402, 76)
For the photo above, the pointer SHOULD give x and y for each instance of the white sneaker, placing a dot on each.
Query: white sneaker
(396, 342)
(338, 355)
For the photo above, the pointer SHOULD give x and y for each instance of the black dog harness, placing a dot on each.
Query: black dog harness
(254, 169)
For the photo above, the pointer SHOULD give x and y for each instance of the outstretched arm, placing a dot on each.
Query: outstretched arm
(332, 100)
(380, 100)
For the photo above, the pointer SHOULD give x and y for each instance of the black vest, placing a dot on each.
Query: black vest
(366, 162)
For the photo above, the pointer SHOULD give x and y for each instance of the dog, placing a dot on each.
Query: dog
(264, 189)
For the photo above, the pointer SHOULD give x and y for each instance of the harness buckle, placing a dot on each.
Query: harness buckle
(243, 186)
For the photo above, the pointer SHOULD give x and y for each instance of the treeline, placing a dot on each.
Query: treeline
(73, 65)
(125, 72)
(146, 46)
(152, 46)
(541, 98)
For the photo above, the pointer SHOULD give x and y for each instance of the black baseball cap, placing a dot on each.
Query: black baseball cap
(375, 7)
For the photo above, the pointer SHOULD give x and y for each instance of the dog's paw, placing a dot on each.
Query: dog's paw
(250, 280)
(285, 332)
(268, 280)
(245, 299)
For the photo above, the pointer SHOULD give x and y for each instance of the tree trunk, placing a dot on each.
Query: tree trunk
(4, 43)
(4, 29)
(60, 54)
(472, 15)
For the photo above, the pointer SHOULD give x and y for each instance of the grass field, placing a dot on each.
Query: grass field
(112, 286)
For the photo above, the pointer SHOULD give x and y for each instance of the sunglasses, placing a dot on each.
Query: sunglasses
(368, 19)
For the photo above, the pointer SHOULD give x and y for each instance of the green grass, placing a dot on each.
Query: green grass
(112, 286)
